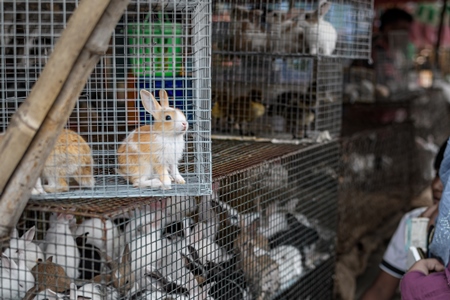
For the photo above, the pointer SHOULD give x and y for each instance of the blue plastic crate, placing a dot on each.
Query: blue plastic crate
(178, 89)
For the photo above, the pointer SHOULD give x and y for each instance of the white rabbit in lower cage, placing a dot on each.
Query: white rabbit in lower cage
(147, 248)
(25, 243)
(99, 230)
(16, 279)
(320, 35)
(96, 291)
(60, 243)
(149, 156)
(290, 264)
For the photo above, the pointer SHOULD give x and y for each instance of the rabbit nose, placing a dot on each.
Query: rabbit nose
(185, 125)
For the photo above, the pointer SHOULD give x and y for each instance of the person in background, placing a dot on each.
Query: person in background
(386, 61)
(393, 265)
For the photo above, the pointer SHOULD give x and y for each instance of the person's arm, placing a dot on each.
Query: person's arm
(383, 288)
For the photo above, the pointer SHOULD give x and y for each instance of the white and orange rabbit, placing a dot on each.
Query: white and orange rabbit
(71, 157)
(149, 156)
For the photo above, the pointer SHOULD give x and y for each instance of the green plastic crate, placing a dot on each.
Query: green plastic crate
(156, 46)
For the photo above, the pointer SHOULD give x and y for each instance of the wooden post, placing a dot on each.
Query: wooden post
(18, 188)
(30, 115)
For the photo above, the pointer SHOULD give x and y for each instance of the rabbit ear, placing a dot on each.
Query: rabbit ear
(324, 7)
(164, 98)
(73, 291)
(14, 233)
(50, 259)
(29, 235)
(6, 262)
(126, 255)
(149, 102)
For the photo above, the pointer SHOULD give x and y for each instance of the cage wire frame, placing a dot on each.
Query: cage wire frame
(274, 27)
(288, 98)
(254, 183)
(156, 45)
(376, 179)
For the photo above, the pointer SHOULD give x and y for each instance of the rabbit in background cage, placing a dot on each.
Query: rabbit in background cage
(44, 20)
(60, 243)
(320, 35)
(285, 34)
(246, 31)
(154, 150)
(16, 278)
(25, 243)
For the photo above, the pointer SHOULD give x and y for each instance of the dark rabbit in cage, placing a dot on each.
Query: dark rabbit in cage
(90, 258)
(142, 151)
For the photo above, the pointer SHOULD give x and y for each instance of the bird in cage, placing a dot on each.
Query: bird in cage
(149, 156)
(71, 157)
(238, 112)
(297, 109)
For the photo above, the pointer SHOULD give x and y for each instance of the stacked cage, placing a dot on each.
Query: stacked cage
(277, 67)
(138, 134)
(146, 102)
(242, 242)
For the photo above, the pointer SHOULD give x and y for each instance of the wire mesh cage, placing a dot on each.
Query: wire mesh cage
(268, 231)
(391, 78)
(329, 28)
(375, 179)
(284, 98)
(116, 130)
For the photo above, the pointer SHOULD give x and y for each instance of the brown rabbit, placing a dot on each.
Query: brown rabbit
(48, 275)
(149, 156)
(121, 275)
(71, 157)
(261, 272)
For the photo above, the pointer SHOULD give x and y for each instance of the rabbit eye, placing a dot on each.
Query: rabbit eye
(168, 118)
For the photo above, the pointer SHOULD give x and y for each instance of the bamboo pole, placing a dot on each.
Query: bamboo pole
(18, 189)
(28, 118)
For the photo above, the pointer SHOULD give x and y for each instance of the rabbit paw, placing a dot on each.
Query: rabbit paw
(152, 183)
(179, 179)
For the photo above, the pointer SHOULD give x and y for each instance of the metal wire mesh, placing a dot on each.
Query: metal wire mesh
(337, 28)
(156, 45)
(270, 97)
(375, 179)
(267, 231)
